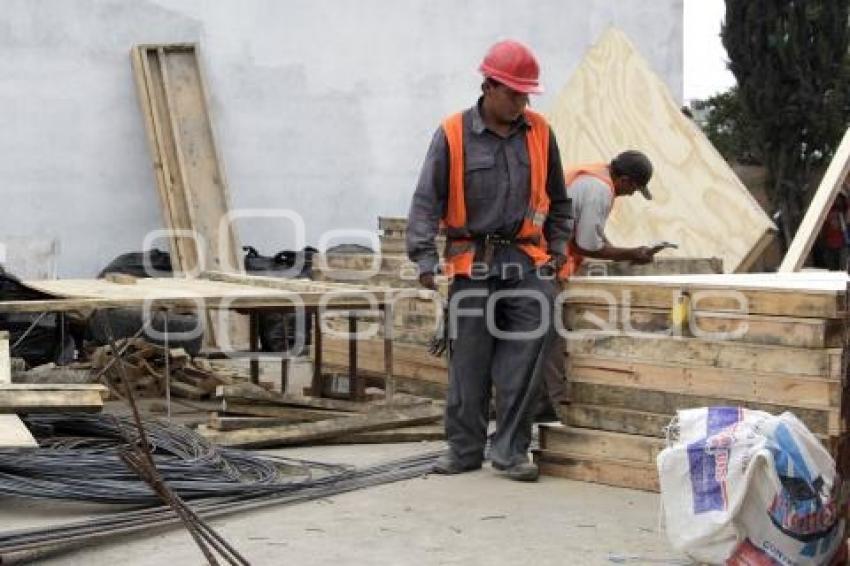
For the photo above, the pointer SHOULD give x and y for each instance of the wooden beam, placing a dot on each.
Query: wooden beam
(753, 329)
(693, 352)
(310, 432)
(615, 419)
(37, 398)
(422, 433)
(819, 421)
(617, 473)
(830, 186)
(5, 360)
(791, 295)
(781, 389)
(293, 414)
(249, 392)
(588, 443)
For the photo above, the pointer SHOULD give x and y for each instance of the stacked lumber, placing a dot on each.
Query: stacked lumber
(762, 341)
(252, 417)
(416, 316)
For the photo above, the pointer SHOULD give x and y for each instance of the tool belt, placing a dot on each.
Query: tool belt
(484, 245)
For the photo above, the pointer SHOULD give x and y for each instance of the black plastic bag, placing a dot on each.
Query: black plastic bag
(125, 323)
(282, 332)
(38, 338)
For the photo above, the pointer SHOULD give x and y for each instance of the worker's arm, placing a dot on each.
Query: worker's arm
(427, 207)
(558, 226)
(595, 203)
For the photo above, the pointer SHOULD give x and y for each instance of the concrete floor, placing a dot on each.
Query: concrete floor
(475, 518)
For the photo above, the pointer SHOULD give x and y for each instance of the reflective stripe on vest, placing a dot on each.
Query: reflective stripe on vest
(599, 171)
(454, 222)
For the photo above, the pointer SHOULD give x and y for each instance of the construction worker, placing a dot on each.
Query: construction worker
(493, 178)
(592, 190)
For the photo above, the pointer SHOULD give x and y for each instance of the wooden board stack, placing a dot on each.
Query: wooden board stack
(763, 341)
(416, 316)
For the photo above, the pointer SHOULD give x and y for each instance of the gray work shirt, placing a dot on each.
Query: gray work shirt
(592, 202)
(497, 185)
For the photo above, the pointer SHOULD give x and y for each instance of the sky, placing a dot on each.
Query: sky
(705, 71)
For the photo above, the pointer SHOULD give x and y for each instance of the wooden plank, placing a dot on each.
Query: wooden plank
(248, 392)
(294, 414)
(588, 443)
(753, 329)
(615, 419)
(386, 418)
(5, 360)
(616, 473)
(818, 420)
(190, 178)
(594, 118)
(774, 296)
(422, 433)
(693, 352)
(47, 401)
(828, 189)
(782, 389)
(218, 421)
(14, 433)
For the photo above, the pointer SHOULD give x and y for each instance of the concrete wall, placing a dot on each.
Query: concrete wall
(324, 107)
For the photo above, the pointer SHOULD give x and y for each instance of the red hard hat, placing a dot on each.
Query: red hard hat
(514, 65)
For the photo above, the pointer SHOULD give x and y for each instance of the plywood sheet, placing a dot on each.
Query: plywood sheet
(828, 190)
(614, 102)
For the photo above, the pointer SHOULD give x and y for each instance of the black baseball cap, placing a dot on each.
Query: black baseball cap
(636, 166)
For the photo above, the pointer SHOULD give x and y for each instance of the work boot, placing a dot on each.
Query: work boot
(524, 471)
(446, 465)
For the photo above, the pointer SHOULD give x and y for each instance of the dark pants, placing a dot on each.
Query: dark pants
(482, 359)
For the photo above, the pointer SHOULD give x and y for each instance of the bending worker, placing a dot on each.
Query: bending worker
(592, 190)
(493, 178)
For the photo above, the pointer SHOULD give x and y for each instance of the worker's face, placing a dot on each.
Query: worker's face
(625, 186)
(504, 103)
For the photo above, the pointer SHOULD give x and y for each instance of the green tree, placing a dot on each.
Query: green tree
(790, 61)
(728, 126)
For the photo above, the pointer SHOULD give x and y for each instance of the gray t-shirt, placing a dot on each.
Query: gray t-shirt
(592, 202)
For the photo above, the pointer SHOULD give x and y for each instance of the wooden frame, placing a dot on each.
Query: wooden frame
(831, 184)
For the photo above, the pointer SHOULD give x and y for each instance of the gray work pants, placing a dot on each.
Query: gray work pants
(482, 358)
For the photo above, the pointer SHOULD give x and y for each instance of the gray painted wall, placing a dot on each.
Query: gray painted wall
(323, 107)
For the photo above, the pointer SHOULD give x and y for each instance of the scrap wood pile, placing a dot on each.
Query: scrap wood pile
(771, 342)
(253, 417)
(145, 366)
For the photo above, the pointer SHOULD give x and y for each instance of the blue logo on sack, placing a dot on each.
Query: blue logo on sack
(708, 460)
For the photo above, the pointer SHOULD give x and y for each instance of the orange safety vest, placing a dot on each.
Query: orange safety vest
(600, 171)
(460, 247)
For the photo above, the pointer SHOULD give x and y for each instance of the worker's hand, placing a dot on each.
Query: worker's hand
(427, 281)
(552, 267)
(643, 254)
